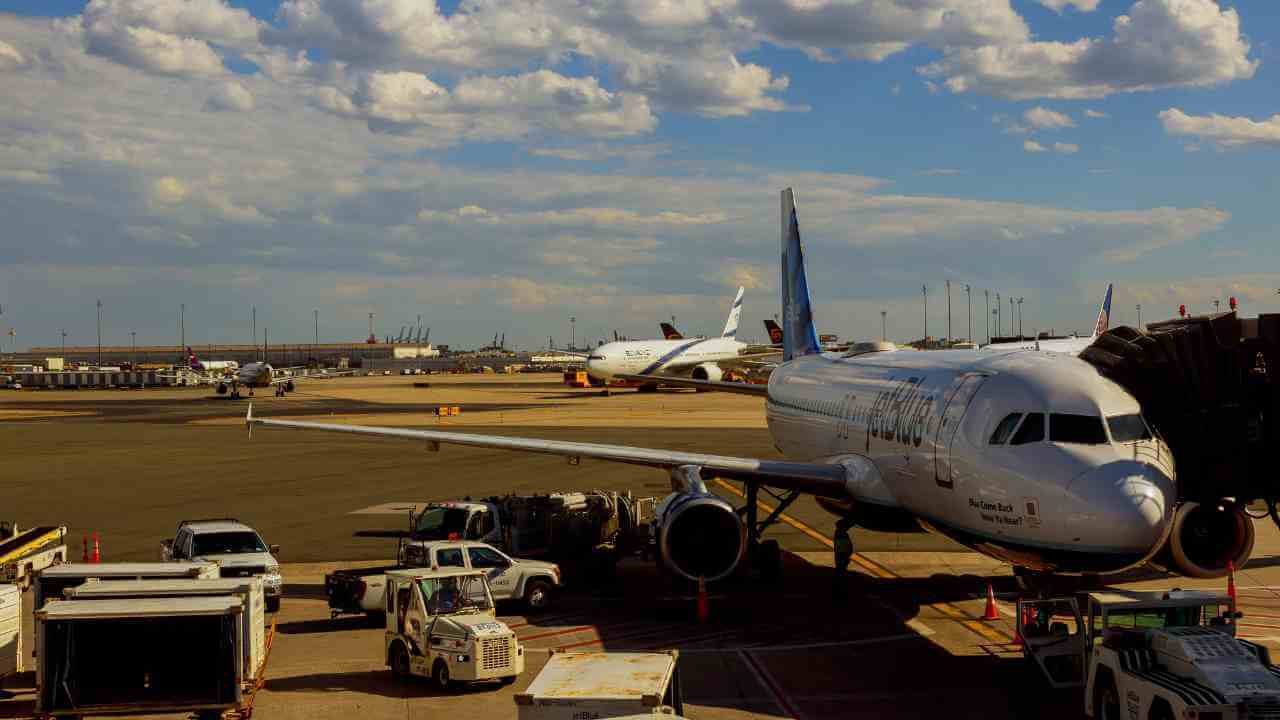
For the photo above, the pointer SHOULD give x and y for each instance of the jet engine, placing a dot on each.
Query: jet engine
(699, 534)
(288, 386)
(707, 371)
(222, 388)
(1205, 538)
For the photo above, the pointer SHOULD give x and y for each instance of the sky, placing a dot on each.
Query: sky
(499, 166)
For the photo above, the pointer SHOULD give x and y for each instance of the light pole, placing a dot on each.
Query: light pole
(1020, 318)
(995, 313)
(573, 330)
(986, 312)
(884, 332)
(968, 294)
(316, 313)
(999, 315)
(99, 333)
(1139, 316)
(950, 338)
(254, 315)
(64, 344)
(1010, 315)
(924, 290)
(133, 348)
(182, 325)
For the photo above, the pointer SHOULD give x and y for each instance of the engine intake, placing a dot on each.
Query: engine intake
(700, 536)
(1206, 538)
(707, 371)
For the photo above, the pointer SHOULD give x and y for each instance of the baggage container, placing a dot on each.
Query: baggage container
(52, 581)
(603, 685)
(249, 590)
(139, 656)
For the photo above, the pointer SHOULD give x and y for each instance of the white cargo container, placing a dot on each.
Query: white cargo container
(10, 630)
(603, 685)
(139, 656)
(52, 581)
(249, 590)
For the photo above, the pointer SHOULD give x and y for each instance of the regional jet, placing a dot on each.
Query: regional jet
(1031, 458)
(1071, 345)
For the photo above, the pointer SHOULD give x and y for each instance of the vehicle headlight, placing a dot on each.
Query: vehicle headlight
(272, 575)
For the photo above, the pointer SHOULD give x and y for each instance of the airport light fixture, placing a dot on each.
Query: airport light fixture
(1011, 315)
(1139, 316)
(573, 332)
(986, 303)
(1020, 318)
(949, 336)
(64, 343)
(884, 333)
(133, 348)
(99, 333)
(924, 290)
(968, 294)
(999, 315)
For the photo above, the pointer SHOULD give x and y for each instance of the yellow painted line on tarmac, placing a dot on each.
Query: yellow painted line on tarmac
(972, 624)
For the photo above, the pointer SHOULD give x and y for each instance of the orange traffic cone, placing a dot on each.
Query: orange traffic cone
(85, 556)
(1231, 580)
(992, 613)
(97, 551)
(703, 611)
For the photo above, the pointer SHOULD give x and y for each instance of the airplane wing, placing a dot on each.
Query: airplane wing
(278, 379)
(813, 478)
(729, 387)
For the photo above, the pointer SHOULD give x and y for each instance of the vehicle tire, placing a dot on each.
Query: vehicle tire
(400, 662)
(440, 674)
(508, 679)
(537, 595)
(1106, 699)
(273, 604)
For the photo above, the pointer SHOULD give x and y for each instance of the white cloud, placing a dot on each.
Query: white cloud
(1159, 44)
(1032, 146)
(1081, 5)
(1044, 119)
(751, 276)
(165, 36)
(10, 57)
(1223, 130)
(168, 190)
(1066, 148)
(1091, 113)
(230, 96)
(157, 52)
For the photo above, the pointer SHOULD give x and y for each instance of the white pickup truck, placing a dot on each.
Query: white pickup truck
(237, 548)
(533, 581)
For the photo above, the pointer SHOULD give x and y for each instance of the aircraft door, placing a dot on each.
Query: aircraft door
(1053, 636)
(957, 399)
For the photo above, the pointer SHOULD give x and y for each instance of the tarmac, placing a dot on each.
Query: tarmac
(900, 637)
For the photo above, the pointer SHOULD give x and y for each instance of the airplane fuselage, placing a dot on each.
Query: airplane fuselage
(659, 357)
(928, 422)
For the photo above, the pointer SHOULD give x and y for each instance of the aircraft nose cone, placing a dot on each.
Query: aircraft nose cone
(1124, 506)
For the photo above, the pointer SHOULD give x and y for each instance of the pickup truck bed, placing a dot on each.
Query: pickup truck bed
(346, 589)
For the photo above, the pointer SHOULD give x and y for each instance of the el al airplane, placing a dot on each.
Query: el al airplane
(700, 358)
(1031, 458)
(1071, 345)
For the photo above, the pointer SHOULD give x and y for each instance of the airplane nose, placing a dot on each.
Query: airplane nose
(1125, 505)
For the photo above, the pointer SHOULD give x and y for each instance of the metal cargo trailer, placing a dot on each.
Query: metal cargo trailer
(52, 581)
(603, 685)
(249, 590)
(10, 630)
(139, 656)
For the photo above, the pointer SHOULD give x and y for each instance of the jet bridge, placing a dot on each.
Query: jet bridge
(1210, 385)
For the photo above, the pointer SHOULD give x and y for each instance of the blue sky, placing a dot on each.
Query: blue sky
(500, 166)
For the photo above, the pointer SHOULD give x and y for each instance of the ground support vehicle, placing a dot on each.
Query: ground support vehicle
(52, 582)
(23, 553)
(10, 630)
(441, 624)
(586, 531)
(249, 590)
(1151, 655)
(603, 685)
(139, 656)
(237, 548)
(532, 581)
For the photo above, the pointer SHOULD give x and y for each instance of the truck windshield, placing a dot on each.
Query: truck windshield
(448, 595)
(228, 543)
(440, 523)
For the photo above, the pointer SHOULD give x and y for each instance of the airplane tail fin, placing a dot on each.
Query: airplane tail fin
(799, 336)
(735, 311)
(1104, 314)
(193, 362)
(669, 332)
(775, 332)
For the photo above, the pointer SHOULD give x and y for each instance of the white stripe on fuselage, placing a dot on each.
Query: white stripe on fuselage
(938, 464)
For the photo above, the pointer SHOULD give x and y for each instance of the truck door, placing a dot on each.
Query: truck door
(1053, 637)
(498, 569)
(957, 398)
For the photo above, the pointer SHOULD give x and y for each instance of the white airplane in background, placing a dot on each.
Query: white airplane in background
(1071, 345)
(700, 358)
(1031, 458)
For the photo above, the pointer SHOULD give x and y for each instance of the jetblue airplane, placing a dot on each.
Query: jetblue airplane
(1031, 458)
(1071, 345)
(700, 358)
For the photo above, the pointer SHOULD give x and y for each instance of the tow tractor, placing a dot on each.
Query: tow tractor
(1151, 655)
(441, 624)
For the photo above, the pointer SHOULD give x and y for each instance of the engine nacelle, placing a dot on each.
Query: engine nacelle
(222, 388)
(707, 371)
(288, 386)
(699, 534)
(1205, 538)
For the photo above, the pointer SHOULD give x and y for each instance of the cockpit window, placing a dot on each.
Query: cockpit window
(1005, 428)
(1128, 428)
(1031, 430)
(1079, 429)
